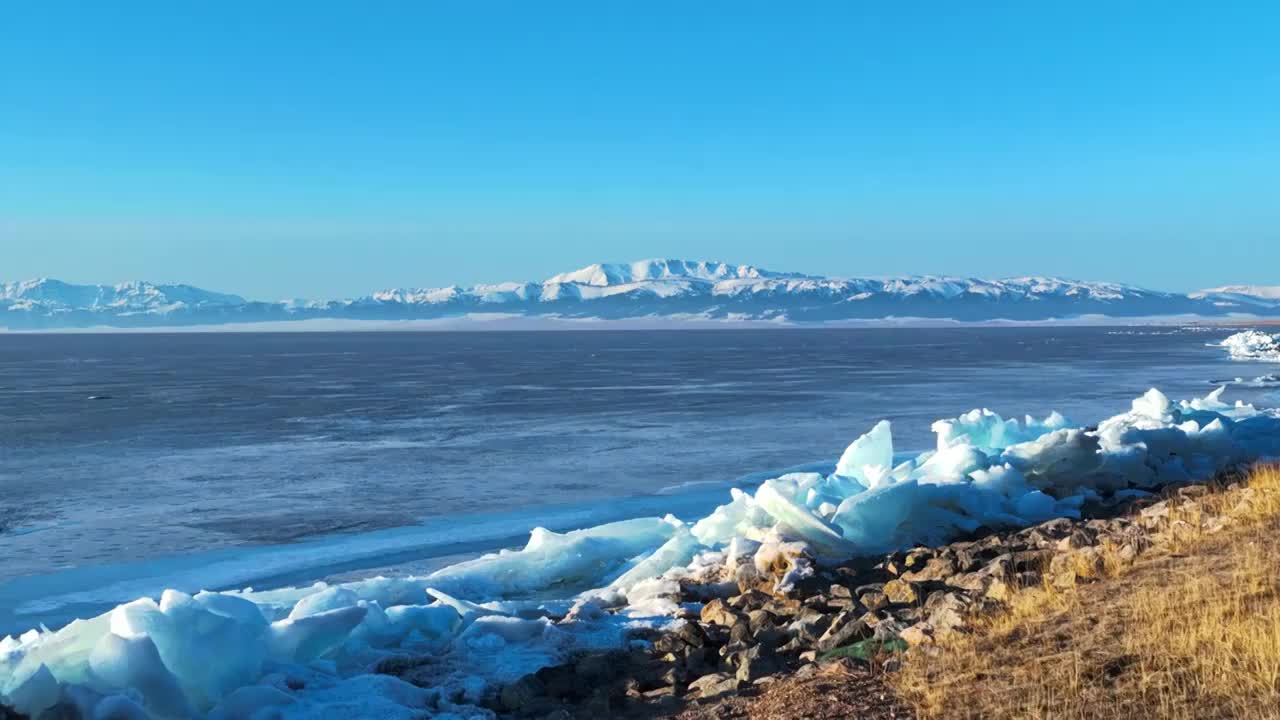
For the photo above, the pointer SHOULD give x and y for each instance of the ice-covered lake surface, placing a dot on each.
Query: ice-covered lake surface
(125, 458)
(141, 470)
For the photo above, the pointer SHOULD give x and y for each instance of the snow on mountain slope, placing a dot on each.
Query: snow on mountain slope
(1265, 292)
(603, 275)
(133, 297)
(1246, 298)
(676, 289)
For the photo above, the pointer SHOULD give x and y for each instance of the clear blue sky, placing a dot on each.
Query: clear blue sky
(323, 148)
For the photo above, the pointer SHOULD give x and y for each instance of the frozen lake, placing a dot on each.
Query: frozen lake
(265, 458)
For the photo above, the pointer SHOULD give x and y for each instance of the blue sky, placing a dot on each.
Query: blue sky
(322, 149)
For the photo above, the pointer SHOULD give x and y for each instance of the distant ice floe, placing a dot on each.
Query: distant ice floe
(1262, 381)
(309, 652)
(1253, 345)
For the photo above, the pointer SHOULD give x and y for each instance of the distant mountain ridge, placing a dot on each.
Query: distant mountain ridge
(678, 290)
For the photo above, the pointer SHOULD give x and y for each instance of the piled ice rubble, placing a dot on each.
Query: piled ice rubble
(309, 652)
(1253, 345)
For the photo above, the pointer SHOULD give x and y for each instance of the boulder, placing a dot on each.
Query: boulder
(1193, 491)
(714, 685)
(599, 704)
(706, 592)
(1023, 561)
(755, 663)
(1047, 533)
(999, 589)
(918, 634)
(846, 628)
(600, 667)
(1079, 538)
(761, 620)
(805, 631)
(718, 612)
(916, 558)
(1068, 568)
(522, 695)
(663, 700)
(947, 611)
(1153, 516)
(935, 570)
(873, 600)
(560, 681)
(749, 600)
(688, 634)
(900, 592)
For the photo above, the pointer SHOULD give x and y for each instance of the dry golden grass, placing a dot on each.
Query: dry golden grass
(1192, 630)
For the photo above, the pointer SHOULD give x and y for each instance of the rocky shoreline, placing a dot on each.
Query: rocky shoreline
(800, 638)
(746, 633)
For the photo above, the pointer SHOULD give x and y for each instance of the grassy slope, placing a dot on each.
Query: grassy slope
(1192, 630)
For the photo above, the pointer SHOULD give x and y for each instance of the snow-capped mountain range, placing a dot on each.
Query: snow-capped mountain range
(675, 290)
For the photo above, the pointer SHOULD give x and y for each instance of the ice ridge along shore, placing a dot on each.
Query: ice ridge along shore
(309, 652)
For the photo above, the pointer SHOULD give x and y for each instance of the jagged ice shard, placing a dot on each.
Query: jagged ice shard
(308, 652)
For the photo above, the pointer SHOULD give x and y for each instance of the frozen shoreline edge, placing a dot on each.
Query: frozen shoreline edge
(529, 607)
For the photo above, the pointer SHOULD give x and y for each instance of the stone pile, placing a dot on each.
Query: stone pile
(739, 633)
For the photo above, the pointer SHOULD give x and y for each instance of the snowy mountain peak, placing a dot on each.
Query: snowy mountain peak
(137, 295)
(1262, 292)
(1242, 298)
(660, 289)
(612, 274)
(35, 289)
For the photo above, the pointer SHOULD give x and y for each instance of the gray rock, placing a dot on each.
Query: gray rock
(1152, 516)
(596, 668)
(917, 634)
(749, 600)
(761, 620)
(755, 663)
(869, 587)
(598, 704)
(718, 612)
(900, 592)
(808, 670)
(907, 615)
(663, 700)
(916, 558)
(887, 629)
(706, 592)
(689, 634)
(947, 619)
(1028, 561)
(846, 628)
(561, 681)
(714, 685)
(806, 629)
(1079, 538)
(700, 661)
(936, 569)
(522, 694)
